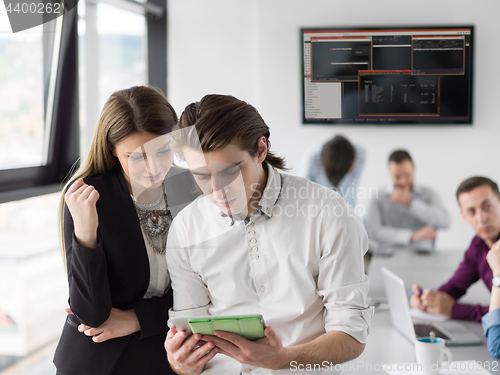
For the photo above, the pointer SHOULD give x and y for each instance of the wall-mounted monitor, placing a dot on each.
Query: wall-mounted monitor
(390, 75)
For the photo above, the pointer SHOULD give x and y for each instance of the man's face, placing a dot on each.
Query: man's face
(480, 208)
(402, 174)
(228, 177)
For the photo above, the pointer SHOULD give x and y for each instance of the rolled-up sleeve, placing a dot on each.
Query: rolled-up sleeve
(191, 295)
(465, 275)
(381, 232)
(342, 282)
(491, 326)
(430, 209)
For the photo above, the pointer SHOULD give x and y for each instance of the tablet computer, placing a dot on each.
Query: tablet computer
(251, 327)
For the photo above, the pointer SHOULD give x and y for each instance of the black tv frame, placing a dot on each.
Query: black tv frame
(391, 121)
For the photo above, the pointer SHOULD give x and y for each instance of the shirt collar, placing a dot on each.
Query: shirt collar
(271, 192)
(478, 242)
(269, 197)
(388, 188)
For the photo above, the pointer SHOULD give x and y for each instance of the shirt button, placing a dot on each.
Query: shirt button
(250, 225)
(252, 233)
(255, 257)
(258, 311)
(255, 248)
(268, 210)
(248, 370)
(262, 288)
(253, 240)
(162, 269)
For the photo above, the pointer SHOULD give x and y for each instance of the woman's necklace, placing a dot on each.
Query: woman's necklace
(155, 221)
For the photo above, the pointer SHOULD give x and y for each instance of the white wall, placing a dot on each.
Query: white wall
(251, 49)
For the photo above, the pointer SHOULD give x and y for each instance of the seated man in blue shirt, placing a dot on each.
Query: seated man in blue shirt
(491, 321)
(336, 164)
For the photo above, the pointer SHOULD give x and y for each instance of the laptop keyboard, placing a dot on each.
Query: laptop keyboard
(424, 330)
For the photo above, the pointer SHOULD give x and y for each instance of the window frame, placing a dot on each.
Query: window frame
(62, 103)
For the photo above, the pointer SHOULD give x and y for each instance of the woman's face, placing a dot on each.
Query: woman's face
(145, 159)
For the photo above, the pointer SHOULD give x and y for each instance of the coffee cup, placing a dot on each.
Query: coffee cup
(430, 355)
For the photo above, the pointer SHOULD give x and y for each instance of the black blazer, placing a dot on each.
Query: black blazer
(116, 274)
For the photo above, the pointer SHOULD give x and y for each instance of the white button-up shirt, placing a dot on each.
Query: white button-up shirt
(298, 261)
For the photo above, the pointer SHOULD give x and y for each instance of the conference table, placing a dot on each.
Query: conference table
(385, 344)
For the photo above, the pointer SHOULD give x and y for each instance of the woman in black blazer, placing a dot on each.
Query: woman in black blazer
(116, 212)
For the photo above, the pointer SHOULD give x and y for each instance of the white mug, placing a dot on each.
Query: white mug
(430, 355)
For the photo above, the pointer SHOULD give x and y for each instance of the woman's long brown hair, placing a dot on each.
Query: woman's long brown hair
(139, 109)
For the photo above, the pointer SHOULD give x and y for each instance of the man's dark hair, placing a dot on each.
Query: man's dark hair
(475, 182)
(222, 119)
(400, 156)
(337, 157)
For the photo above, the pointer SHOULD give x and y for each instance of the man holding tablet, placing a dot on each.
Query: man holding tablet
(266, 243)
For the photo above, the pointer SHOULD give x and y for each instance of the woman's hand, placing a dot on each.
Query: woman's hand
(493, 258)
(81, 200)
(120, 323)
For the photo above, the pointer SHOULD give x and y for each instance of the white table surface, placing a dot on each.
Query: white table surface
(386, 345)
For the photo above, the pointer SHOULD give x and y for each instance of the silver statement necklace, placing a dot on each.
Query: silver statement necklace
(155, 221)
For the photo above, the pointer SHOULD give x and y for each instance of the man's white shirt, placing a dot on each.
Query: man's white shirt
(298, 261)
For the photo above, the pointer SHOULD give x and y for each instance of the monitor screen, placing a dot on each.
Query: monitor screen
(387, 75)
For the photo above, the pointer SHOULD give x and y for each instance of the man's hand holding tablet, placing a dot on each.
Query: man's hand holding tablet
(191, 342)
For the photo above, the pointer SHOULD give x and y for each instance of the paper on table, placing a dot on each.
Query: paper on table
(455, 368)
(419, 314)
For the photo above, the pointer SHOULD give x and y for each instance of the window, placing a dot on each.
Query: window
(112, 56)
(44, 144)
(22, 93)
(39, 84)
(33, 286)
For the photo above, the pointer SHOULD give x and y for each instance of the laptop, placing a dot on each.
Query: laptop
(453, 332)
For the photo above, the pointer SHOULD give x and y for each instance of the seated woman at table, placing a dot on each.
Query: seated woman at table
(491, 321)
